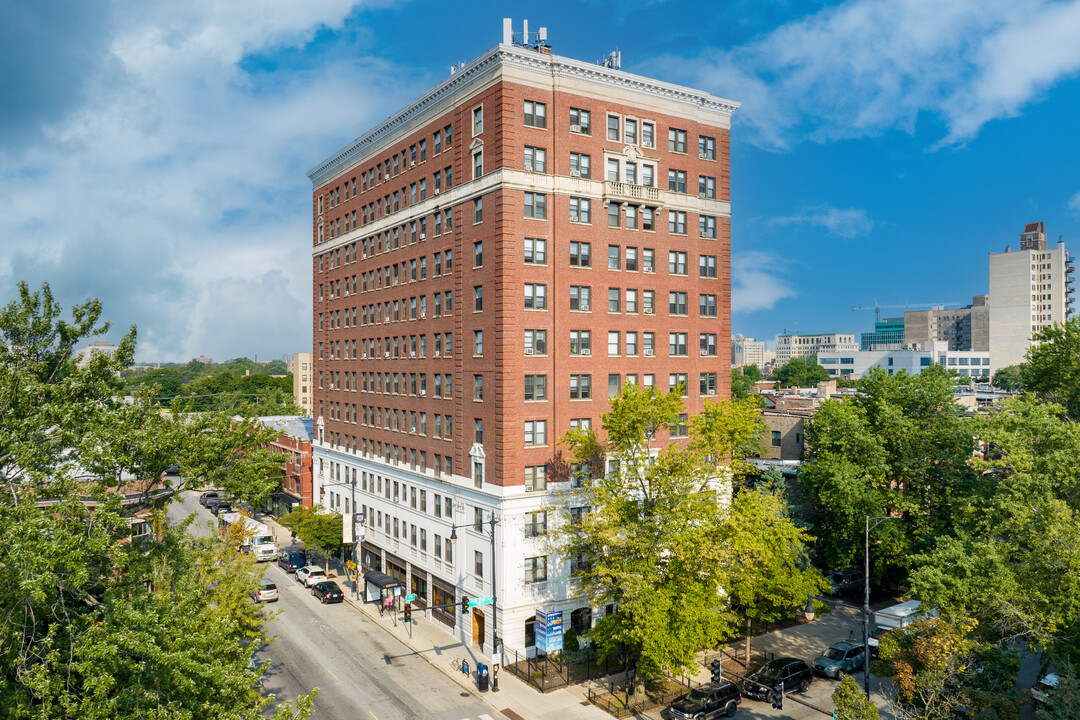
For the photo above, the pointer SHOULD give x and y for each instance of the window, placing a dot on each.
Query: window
(707, 226)
(676, 344)
(613, 298)
(706, 147)
(707, 343)
(613, 257)
(478, 387)
(706, 187)
(535, 114)
(648, 134)
(580, 387)
(613, 343)
(677, 263)
(535, 251)
(708, 384)
(681, 427)
(676, 180)
(707, 305)
(580, 342)
(535, 523)
(648, 301)
(579, 121)
(580, 210)
(614, 384)
(535, 296)
(677, 381)
(478, 254)
(478, 210)
(535, 205)
(648, 260)
(630, 131)
(631, 213)
(478, 298)
(536, 569)
(579, 254)
(631, 259)
(478, 164)
(613, 215)
(677, 140)
(648, 218)
(477, 120)
(536, 387)
(707, 266)
(631, 343)
(580, 165)
(579, 297)
(536, 479)
(478, 430)
(677, 304)
(478, 563)
(613, 170)
(536, 342)
(478, 342)
(613, 127)
(776, 438)
(535, 432)
(535, 159)
(677, 222)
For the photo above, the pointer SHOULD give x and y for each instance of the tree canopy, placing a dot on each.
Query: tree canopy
(98, 620)
(800, 372)
(1053, 365)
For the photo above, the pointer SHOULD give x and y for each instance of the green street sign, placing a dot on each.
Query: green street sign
(487, 600)
(410, 597)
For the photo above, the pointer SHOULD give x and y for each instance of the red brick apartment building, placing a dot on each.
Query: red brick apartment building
(489, 264)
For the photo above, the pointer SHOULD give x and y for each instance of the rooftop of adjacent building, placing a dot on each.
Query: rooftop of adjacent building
(297, 426)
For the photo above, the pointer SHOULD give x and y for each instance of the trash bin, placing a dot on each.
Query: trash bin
(481, 677)
(464, 667)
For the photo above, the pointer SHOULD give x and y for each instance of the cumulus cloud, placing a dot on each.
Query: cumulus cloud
(755, 283)
(1074, 204)
(174, 188)
(867, 66)
(849, 223)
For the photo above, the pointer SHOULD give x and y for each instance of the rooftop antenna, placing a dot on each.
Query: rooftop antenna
(535, 41)
(613, 60)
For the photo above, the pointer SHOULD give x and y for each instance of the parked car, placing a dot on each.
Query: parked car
(840, 658)
(265, 591)
(173, 469)
(292, 560)
(206, 497)
(328, 592)
(875, 637)
(708, 701)
(792, 673)
(219, 506)
(1042, 690)
(842, 581)
(310, 574)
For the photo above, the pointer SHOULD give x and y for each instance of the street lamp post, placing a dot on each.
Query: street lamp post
(492, 522)
(866, 599)
(355, 543)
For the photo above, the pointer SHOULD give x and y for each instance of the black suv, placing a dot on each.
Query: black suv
(791, 673)
(292, 560)
(708, 701)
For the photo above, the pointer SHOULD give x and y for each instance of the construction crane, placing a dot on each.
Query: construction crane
(877, 308)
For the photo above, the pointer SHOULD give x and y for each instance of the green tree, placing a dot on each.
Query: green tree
(95, 622)
(1064, 700)
(851, 703)
(316, 527)
(1009, 377)
(742, 386)
(652, 541)
(800, 372)
(1053, 365)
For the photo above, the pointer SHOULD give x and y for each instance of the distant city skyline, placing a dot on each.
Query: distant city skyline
(154, 156)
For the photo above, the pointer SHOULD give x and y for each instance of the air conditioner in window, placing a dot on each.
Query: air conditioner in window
(650, 271)
(575, 128)
(573, 217)
(701, 196)
(586, 352)
(386, 355)
(703, 155)
(423, 314)
(649, 353)
(649, 311)
(437, 354)
(529, 351)
(584, 307)
(423, 392)
(436, 191)
(412, 164)
(412, 353)
(364, 356)
(646, 144)
(575, 173)
(423, 236)
(705, 353)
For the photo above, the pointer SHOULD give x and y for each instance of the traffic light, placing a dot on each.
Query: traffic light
(408, 612)
(715, 665)
(464, 604)
(778, 698)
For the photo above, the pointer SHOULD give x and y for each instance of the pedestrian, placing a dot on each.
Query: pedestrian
(387, 603)
(851, 636)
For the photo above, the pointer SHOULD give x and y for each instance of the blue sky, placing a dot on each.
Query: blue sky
(153, 153)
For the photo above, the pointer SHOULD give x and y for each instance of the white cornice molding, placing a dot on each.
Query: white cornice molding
(484, 68)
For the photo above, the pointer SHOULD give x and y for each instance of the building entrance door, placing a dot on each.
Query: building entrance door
(478, 627)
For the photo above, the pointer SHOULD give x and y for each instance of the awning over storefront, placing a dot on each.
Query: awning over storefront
(381, 580)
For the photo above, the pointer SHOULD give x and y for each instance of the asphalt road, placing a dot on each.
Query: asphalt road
(360, 670)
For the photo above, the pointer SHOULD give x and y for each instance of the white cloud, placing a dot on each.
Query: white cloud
(867, 66)
(1074, 204)
(842, 223)
(755, 284)
(176, 191)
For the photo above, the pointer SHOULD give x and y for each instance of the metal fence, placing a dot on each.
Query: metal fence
(616, 701)
(550, 672)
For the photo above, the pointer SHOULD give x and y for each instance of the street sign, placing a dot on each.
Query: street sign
(410, 597)
(549, 631)
(486, 600)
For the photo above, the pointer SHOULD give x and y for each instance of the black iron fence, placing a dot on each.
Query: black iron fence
(550, 672)
(617, 700)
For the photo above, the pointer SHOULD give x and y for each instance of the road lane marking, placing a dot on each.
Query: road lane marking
(331, 673)
(297, 638)
(373, 715)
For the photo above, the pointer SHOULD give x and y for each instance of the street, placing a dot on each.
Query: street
(362, 672)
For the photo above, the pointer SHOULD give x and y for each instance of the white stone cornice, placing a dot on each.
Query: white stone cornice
(486, 69)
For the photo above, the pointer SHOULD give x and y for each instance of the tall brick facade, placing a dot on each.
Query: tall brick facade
(531, 233)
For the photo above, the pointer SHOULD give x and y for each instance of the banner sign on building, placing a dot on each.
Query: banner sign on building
(346, 530)
(359, 529)
(549, 632)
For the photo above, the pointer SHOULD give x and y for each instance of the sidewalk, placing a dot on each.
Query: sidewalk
(427, 638)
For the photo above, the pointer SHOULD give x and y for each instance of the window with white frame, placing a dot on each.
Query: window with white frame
(580, 296)
(535, 296)
(535, 159)
(535, 114)
(580, 210)
(535, 478)
(535, 251)
(707, 226)
(535, 432)
(580, 165)
(536, 569)
(535, 387)
(579, 121)
(676, 140)
(536, 205)
(580, 342)
(613, 127)
(580, 387)
(706, 147)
